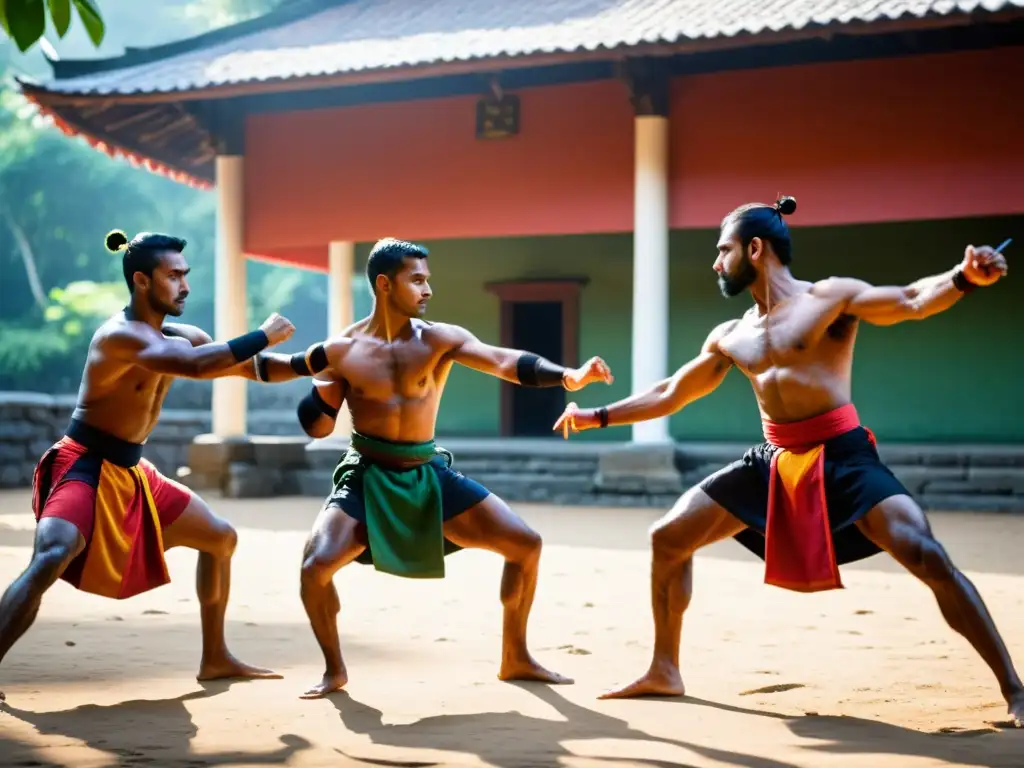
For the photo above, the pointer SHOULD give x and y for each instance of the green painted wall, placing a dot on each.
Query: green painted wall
(951, 378)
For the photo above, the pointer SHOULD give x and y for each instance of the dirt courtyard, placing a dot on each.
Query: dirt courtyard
(866, 676)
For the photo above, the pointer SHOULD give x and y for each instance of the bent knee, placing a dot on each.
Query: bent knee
(49, 562)
(925, 558)
(224, 540)
(319, 566)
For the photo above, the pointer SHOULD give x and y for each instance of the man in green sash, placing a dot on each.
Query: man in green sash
(397, 502)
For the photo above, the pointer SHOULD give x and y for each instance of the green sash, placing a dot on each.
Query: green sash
(404, 514)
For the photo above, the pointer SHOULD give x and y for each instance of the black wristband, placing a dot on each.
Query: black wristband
(602, 415)
(535, 371)
(961, 283)
(245, 346)
(309, 363)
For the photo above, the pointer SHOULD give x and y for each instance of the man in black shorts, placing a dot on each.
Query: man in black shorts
(815, 495)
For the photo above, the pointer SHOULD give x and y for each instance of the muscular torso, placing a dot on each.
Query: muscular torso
(120, 398)
(798, 357)
(393, 390)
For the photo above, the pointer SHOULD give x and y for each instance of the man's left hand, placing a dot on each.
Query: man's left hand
(594, 370)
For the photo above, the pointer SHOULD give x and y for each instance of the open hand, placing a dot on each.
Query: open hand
(277, 328)
(595, 369)
(576, 419)
(982, 265)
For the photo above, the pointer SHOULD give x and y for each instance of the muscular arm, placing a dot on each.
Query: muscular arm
(180, 354)
(512, 365)
(268, 367)
(888, 305)
(697, 378)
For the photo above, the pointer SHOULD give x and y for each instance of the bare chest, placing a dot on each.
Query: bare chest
(400, 371)
(788, 337)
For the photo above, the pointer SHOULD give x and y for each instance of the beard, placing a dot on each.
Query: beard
(166, 308)
(734, 285)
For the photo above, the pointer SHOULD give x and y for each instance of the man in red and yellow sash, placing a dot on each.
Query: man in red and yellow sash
(106, 515)
(815, 494)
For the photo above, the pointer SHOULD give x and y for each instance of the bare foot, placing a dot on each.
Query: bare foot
(227, 666)
(529, 669)
(658, 681)
(329, 684)
(1016, 710)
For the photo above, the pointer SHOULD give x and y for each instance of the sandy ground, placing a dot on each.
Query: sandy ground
(868, 676)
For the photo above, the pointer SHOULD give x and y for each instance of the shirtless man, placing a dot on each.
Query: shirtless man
(395, 494)
(106, 515)
(795, 345)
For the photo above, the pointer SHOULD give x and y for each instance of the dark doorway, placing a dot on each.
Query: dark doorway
(543, 317)
(537, 328)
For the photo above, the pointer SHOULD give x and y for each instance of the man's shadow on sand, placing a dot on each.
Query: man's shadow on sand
(156, 732)
(511, 739)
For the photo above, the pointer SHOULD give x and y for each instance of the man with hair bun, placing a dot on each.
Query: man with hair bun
(815, 494)
(106, 515)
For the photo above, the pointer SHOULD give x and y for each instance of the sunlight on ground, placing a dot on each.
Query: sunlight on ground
(866, 676)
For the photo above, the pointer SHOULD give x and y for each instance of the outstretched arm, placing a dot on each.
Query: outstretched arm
(518, 366)
(268, 367)
(699, 377)
(178, 356)
(888, 305)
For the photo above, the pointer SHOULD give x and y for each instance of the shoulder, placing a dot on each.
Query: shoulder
(719, 332)
(190, 333)
(446, 334)
(118, 335)
(842, 288)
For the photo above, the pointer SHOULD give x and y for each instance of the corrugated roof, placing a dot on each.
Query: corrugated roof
(374, 35)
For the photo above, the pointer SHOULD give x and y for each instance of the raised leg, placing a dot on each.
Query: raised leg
(57, 543)
(491, 525)
(336, 540)
(900, 527)
(695, 521)
(214, 539)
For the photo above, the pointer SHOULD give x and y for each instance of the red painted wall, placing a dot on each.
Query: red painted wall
(416, 170)
(913, 138)
(927, 137)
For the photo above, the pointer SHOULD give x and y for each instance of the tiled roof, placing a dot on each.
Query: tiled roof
(361, 36)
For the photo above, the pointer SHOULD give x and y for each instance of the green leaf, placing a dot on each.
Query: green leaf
(54, 313)
(92, 20)
(60, 12)
(26, 20)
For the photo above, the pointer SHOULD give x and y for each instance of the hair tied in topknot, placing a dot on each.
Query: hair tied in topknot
(116, 241)
(786, 206)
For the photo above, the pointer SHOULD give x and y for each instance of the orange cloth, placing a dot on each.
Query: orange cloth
(798, 552)
(113, 507)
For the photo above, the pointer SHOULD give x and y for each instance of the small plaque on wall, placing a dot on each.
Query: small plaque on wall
(497, 118)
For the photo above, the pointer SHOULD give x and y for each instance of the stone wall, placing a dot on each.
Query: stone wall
(277, 459)
(30, 423)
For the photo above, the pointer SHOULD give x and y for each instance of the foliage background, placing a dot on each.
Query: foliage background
(59, 197)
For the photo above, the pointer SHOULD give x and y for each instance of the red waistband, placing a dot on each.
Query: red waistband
(812, 431)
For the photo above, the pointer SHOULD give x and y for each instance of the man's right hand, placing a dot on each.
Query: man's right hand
(576, 419)
(277, 328)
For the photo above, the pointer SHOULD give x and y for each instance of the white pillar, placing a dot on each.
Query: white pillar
(650, 265)
(340, 267)
(230, 319)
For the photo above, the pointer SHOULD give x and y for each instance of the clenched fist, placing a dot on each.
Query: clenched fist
(595, 369)
(983, 265)
(277, 328)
